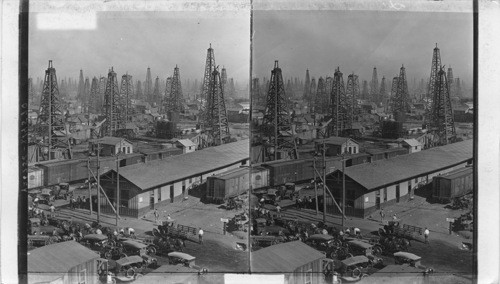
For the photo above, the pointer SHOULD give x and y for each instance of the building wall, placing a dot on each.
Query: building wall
(300, 275)
(87, 271)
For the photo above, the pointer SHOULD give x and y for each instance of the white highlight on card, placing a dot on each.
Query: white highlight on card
(66, 21)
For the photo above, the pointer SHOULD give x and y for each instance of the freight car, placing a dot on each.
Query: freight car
(235, 182)
(453, 184)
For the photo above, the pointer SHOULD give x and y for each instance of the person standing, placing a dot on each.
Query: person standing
(156, 215)
(200, 236)
(79, 202)
(382, 215)
(426, 235)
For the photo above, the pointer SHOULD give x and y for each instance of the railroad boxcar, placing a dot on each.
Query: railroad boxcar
(235, 182)
(453, 184)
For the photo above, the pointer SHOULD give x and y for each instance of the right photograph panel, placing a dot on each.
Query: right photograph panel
(362, 137)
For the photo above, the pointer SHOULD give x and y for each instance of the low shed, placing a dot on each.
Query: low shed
(297, 261)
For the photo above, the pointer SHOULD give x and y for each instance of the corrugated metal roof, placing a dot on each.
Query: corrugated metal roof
(57, 259)
(284, 258)
(159, 172)
(383, 172)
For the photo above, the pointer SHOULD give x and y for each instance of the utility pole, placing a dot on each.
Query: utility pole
(343, 183)
(98, 183)
(324, 183)
(90, 185)
(117, 189)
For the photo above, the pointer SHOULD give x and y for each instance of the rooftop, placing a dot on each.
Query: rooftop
(108, 140)
(383, 172)
(412, 142)
(174, 168)
(457, 173)
(284, 258)
(335, 140)
(53, 261)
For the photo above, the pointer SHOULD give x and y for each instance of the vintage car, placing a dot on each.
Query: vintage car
(355, 268)
(132, 247)
(95, 241)
(40, 240)
(322, 242)
(184, 259)
(265, 241)
(410, 259)
(358, 247)
(129, 268)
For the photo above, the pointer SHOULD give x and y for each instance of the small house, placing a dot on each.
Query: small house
(186, 145)
(111, 146)
(412, 145)
(336, 146)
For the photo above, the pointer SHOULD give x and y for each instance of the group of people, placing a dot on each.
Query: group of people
(80, 202)
(306, 202)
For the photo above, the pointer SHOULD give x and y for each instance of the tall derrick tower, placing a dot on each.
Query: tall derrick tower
(209, 69)
(51, 126)
(435, 67)
(138, 91)
(321, 96)
(113, 107)
(81, 88)
(155, 97)
(307, 88)
(224, 82)
(383, 90)
(374, 89)
(390, 101)
(352, 95)
(217, 125)
(126, 94)
(276, 125)
(339, 106)
(365, 91)
(148, 87)
(451, 82)
(175, 98)
(86, 93)
(442, 123)
(93, 99)
(103, 82)
(400, 104)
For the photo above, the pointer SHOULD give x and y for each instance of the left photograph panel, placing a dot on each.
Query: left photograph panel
(138, 145)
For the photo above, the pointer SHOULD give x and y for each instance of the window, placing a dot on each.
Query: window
(308, 278)
(82, 277)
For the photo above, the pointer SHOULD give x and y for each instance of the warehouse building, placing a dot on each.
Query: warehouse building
(145, 186)
(299, 262)
(384, 182)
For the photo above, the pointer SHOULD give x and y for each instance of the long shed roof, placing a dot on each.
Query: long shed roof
(284, 258)
(383, 172)
(159, 172)
(57, 259)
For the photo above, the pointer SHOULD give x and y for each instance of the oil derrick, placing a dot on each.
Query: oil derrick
(458, 88)
(321, 96)
(127, 93)
(374, 95)
(86, 93)
(451, 84)
(113, 107)
(339, 106)
(93, 99)
(51, 121)
(175, 99)
(209, 69)
(394, 88)
(217, 125)
(312, 90)
(156, 97)
(436, 65)
(81, 88)
(383, 92)
(307, 88)
(352, 95)
(148, 87)
(103, 81)
(231, 88)
(138, 91)
(276, 125)
(442, 124)
(258, 100)
(400, 102)
(364, 92)
(223, 75)
(166, 97)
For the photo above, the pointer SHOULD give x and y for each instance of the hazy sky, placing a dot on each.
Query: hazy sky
(357, 41)
(132, 41)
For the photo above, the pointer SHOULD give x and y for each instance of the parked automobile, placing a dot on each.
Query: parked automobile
(355, 268)
(180, 258)
(321, 242)
(132, 247)
(40, 240)
(129, 268)
(357, 247)
(95, 241)
(265, 241)
(410, 259)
